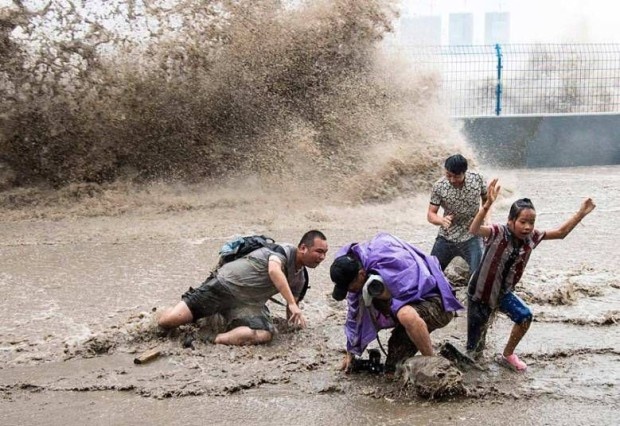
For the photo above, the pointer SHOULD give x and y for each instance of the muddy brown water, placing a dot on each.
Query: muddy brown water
(79, 292)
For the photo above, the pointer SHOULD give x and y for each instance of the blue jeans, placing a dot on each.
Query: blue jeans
(478, 315)
(470, 251)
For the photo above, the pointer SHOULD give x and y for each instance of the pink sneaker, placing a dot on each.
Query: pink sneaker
(513, 361)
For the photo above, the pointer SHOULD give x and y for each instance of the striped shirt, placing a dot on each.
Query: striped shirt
(502, 265)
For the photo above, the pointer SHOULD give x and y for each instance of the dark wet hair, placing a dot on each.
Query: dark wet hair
(456, 164)
(518, 206)
(308, 238)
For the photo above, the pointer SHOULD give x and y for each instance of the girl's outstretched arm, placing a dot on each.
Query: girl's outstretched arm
(557, 234)
(476, 227)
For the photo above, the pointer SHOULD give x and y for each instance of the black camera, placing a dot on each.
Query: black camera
(371, 365)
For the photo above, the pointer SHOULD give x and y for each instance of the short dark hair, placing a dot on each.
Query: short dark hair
(518, 206)
(342, 272)
(456, 164)
(308, 238)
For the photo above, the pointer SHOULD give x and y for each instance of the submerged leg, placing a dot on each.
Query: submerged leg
(243, 336)
(400, 347)
(478, 315)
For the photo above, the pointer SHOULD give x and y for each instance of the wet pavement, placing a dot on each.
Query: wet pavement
(79, 295)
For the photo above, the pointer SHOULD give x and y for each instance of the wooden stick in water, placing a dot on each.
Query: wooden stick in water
(147, 356)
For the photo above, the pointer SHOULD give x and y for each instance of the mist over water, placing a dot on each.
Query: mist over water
(250, 94)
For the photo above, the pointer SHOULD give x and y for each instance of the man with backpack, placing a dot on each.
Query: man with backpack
(239, 290)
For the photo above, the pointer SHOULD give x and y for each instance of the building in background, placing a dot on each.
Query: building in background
(497, 27)
(529, 21)
(461, 29)
(452, 22)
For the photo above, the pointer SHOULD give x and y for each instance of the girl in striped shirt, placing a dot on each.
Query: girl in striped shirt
(507, 251)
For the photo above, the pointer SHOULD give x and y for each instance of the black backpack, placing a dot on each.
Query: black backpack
(242, 246)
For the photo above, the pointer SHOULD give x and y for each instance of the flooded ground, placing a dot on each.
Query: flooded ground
(79, 296)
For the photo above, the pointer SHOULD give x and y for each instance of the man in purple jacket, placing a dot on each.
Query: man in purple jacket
(389, 283)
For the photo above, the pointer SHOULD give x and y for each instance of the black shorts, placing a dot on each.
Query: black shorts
(254, 319)
(208, 299)
(212, 297)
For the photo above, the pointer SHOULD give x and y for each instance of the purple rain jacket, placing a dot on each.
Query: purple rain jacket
(409, 274)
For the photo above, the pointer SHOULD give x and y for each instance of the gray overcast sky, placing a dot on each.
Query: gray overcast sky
(547, 21)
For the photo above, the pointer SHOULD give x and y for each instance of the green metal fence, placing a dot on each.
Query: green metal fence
(518, 79)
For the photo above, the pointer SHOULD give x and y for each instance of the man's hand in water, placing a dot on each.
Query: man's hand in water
(347, 363)
(294, 315)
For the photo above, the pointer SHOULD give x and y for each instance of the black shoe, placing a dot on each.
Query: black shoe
(461, 359)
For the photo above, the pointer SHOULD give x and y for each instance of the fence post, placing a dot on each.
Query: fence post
(498, 88)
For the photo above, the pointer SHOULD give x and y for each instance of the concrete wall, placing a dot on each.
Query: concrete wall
(545, 141)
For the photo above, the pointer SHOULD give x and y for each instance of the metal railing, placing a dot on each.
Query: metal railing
(517, 79)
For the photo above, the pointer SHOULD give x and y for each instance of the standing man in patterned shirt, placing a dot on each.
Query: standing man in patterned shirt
(459, 194)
